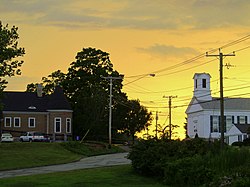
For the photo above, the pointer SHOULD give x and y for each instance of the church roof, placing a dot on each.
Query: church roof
(229, 104)
(201, 74)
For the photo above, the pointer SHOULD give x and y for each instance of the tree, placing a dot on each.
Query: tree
(9, 52)
(87, 91)
(133, 118)
(54, 79)
(185, 127)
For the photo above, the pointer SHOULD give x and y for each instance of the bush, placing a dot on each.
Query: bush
(189, 171)
(237, 144)
(246, 142)
(192, 163)
(149, 156)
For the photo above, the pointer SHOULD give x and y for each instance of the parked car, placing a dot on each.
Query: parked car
(33, 137)
(7, 137)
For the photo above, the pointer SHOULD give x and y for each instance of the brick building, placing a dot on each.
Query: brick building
(34, 111)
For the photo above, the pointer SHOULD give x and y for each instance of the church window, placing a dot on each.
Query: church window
(204, 83)
(214, 124)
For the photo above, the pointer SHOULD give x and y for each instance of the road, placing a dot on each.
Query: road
(89, 162)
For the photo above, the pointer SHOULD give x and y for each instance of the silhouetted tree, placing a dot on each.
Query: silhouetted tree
(132, 117)
(9, 51)
(87, 90)
(185, 127)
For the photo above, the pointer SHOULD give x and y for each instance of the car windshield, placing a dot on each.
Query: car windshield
(38, 134)
(6, 135)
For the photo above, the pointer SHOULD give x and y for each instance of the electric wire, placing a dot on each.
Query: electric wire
(192, 59)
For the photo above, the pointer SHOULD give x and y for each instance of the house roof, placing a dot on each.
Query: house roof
(243, 128)
(229, 104)
(30, 102)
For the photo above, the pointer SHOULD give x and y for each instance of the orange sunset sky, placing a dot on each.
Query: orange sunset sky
(142, 37)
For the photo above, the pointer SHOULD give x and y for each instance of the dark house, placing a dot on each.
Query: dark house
(30, 111)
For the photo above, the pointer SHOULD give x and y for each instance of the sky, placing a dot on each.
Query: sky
(168, 38)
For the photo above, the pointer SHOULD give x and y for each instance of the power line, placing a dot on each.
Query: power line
(191, 60)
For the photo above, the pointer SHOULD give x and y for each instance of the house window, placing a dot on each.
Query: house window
(214, 124)
(7, 122)
(229, 122)
(244, 136)
(239, 138)
(204, 83)
(68, 125)
(32, 122)
(57, 125)
(17, 122)
(196, 83)
(242, 119)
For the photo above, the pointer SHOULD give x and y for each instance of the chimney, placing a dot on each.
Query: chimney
(39, 90)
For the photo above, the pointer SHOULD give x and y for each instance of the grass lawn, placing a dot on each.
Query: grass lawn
(19, 155)
(122, 176)
(23, 155)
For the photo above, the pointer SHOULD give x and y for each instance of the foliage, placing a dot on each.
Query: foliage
(131, 117)
(87, 89)
(191, 162)
(187, 171)
(54, 79)
(9, 52)
(237, 144)
(246, 142)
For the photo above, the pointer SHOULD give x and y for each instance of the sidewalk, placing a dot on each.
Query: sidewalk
(89, 162)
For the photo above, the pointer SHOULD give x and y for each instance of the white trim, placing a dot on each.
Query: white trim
(17, 112)
(60, 120)
(60, 110)
(68, 120)
(5, 118)
(29, 122)
(14, 122)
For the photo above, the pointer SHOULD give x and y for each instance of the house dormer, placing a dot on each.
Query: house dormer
(202, 90)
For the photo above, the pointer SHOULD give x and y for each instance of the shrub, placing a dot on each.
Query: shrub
(237, 144)
(192, 163)
(246, 142)
(149, 156)
(189, 171)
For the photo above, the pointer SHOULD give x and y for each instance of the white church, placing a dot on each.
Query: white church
(203, 114)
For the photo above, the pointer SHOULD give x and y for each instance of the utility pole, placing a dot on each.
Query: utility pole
(170, 115)
(222, 119)
(110, 104)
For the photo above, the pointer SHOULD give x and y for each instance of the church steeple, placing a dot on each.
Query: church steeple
(202, 86)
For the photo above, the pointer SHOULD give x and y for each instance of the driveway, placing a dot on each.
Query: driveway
(89, 162)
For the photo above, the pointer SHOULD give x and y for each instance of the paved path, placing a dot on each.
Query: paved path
(89, 162)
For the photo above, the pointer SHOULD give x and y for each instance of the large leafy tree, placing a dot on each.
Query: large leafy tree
(54, 79)
(9, 53)
(87, 89)
(132, 117)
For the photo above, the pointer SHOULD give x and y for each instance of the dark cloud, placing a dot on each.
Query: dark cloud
(138, 14)
(168, 51)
